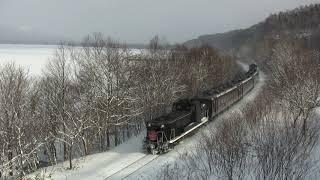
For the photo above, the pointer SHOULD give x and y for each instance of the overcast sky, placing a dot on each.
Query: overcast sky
(136, 21)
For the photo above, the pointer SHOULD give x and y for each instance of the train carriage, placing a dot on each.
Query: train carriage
(189, 114)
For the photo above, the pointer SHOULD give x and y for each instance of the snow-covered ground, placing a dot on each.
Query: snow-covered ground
(128, 161)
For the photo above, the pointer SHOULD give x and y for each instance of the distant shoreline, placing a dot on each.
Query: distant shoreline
(132, 46)
(25, 44)
(30, 42)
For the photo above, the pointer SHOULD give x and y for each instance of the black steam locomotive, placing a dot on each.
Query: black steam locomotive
(189, 114)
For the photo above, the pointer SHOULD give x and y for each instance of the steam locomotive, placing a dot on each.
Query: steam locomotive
(189, 114)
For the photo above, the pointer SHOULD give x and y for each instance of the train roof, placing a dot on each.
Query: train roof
(229, 86)
(206, 95)
(169, 118)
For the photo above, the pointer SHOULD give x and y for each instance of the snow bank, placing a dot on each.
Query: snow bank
(101, 165)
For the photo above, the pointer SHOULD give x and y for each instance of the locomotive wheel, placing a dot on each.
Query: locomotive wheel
(153, 152)
(171, 146)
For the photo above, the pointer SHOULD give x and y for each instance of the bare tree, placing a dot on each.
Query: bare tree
(96, 96)
(225, 149)
(295, 80)
(57, 84)
(280, 151)
(19, 144)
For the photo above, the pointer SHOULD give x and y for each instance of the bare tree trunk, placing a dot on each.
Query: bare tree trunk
(64, 145)
(21, 169)
(128, 131)
(10, 156)
(70, 156)
(304, 126)
(101, 140)
(53, 152)
(108, 138)
(116, 136)
(85, 146)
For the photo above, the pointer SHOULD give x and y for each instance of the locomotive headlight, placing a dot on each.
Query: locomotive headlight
(149, 124)
(162, 126)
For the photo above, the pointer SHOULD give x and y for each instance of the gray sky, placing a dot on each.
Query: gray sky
(136, 21)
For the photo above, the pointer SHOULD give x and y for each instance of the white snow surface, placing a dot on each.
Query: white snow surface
(128, 161)
(31, 57)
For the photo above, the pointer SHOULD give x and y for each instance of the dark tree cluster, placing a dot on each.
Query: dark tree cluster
(304, 17)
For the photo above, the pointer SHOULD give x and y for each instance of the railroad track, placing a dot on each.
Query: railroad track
(133, 167)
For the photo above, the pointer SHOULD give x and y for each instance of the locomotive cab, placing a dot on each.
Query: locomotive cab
(164, 128)
(164, 131)
(155, 140)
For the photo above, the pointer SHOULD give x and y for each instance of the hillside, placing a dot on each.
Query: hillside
(302, 23)
(225, 41)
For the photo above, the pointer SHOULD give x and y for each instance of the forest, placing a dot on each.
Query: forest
(305, 17)
(93, 97)
(256, 42)
(275, 136)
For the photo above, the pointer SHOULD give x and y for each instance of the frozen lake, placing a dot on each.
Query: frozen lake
(31, 57)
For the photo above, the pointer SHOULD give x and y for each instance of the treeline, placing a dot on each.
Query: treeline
(301, 24)
(255, 43)
(274, 137)
(95, 96)
(302, 18)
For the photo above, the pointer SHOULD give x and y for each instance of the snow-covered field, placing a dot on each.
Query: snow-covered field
(31, 57)
(128, 161)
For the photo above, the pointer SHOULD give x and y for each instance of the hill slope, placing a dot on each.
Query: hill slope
(302, 23)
